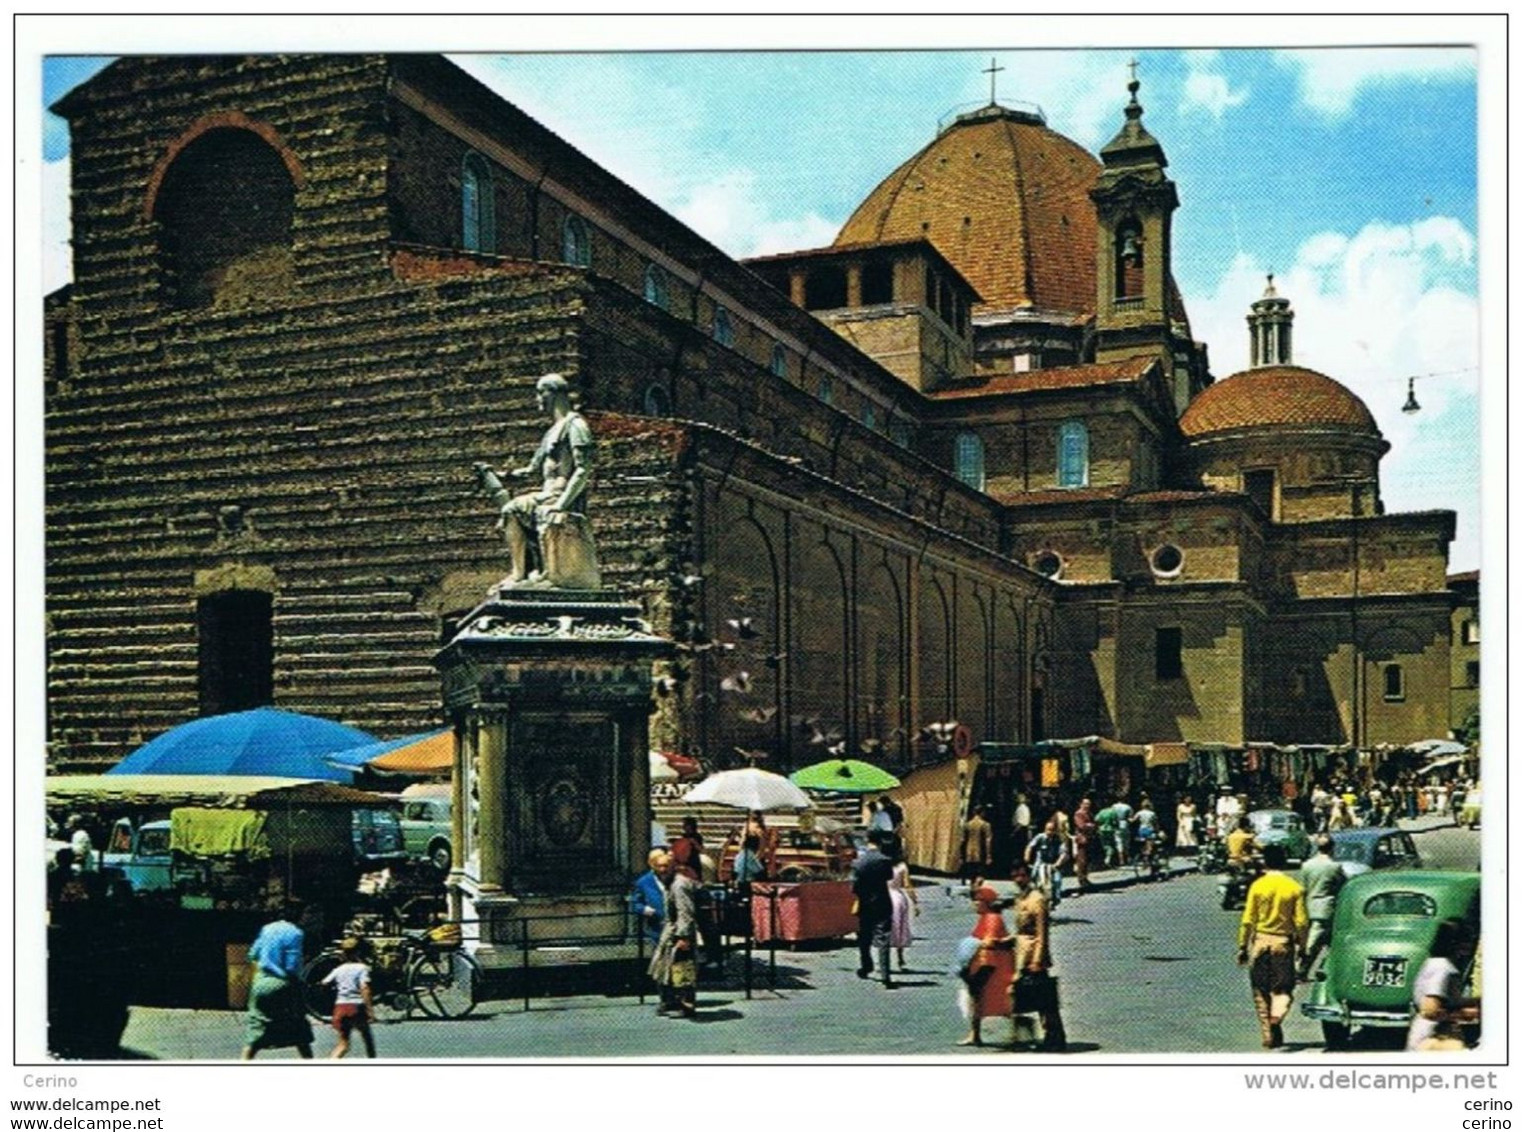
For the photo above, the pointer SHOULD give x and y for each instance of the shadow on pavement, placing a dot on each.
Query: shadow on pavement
(705, 1016)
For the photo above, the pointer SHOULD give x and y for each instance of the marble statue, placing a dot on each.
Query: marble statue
(549, 539)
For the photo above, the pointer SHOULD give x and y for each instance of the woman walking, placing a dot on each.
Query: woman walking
(987, 976)
(906, 905)
(1184, 835)
(1034, 990)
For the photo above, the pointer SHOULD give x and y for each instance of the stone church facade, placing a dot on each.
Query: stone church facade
(966, 464)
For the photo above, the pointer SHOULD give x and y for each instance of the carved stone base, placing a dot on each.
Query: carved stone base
(504, 931)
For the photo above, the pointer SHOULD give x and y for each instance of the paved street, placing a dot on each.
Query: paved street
(1144, 968)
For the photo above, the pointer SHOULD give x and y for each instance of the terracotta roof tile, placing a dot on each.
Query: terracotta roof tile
(1057, 495)
(1276, 395)
(1174, 495)
(1006, 200)
(1060, 377)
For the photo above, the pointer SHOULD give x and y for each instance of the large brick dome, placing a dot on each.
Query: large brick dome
(1277, 395)
(1005, 200)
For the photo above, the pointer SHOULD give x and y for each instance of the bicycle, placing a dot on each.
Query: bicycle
(1151, 861)
(422, 969)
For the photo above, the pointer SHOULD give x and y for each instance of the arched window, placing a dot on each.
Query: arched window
(224, 210)
(969, 459)
(779, 361)
(1072, 454)
(478, 205)
(723, 327)
(575, 242)
(657, 400)
(657, 290)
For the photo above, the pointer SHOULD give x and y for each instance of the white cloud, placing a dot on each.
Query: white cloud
(1332, 78)
(647, 134)
(57, 258)
(1205, 88)
(1082, 92)
(1372, 309)
(729, 210)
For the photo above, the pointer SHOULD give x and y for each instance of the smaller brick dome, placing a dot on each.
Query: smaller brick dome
(1276, 396)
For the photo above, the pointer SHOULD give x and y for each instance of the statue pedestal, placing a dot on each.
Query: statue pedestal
(549, 694)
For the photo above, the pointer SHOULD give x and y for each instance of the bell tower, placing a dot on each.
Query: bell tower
(1134, 200)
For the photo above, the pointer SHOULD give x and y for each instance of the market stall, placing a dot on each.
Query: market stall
(815, 909)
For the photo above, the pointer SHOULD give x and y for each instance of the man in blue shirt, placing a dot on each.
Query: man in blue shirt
(276, 1011)
(648, 900)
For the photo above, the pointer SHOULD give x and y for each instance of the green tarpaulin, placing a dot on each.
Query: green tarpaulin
(217, 833)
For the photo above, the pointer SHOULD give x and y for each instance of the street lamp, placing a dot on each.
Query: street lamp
(1411, 405)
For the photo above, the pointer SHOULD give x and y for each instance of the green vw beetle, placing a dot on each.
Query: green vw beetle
(1381, 936)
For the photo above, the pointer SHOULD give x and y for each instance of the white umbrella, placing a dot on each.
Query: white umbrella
(1437, 748)
(661, 770)
(1440, 764)
(749, 789)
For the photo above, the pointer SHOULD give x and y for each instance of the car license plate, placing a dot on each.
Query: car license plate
(1384, 971)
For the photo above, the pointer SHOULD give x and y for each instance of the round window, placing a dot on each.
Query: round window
(1048, 562)
(1167, 560)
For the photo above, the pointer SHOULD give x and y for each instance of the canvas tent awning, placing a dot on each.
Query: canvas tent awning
(218, 833)
(227, 791)
(1050, 748)
(931, 798)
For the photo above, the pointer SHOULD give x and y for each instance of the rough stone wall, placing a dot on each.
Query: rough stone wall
(1313, 685)
(324, 113)
(325, 444)
(1465, 637)
(1020, 448)
(1316, 471)
(1394, 554)
(862, 626)
(630, 345)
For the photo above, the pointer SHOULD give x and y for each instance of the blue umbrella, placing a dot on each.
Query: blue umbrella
(264, 741)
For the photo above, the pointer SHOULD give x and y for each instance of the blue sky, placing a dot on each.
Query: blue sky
(1349, 172)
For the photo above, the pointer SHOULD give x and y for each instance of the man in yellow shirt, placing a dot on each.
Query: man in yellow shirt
(1239, 842)
(1273, 931)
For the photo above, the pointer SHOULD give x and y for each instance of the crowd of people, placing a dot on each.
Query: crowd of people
(1286, 923)
(1004, 967)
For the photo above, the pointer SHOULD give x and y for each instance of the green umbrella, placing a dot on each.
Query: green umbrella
(849, 776)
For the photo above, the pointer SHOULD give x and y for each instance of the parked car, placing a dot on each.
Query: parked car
(1282, 827)
(140, 855)
(1360, 850)
(377, 836)
(427, 824)
(1381, 936)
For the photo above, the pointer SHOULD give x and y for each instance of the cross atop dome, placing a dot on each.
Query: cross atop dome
(992, 71)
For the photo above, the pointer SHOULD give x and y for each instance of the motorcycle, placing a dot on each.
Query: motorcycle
(1212, 856)
(1238, 879)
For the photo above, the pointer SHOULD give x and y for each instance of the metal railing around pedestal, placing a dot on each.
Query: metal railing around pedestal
(720, 906)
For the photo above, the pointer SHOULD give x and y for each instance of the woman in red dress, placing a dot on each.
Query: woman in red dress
(992, 969)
